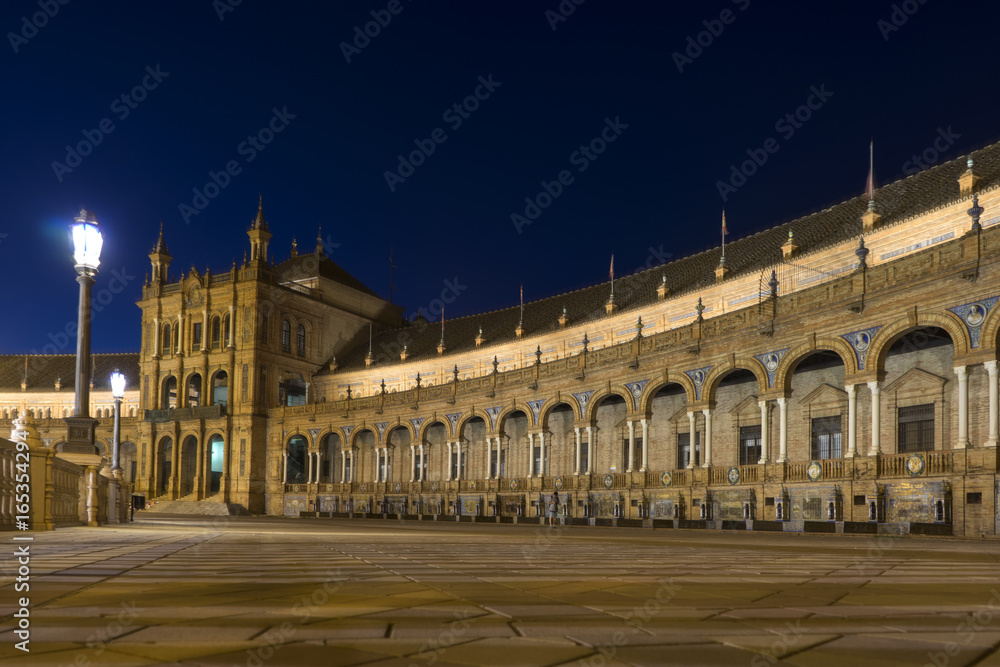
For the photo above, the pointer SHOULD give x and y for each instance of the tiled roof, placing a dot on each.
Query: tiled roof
(299, 268)
(44, 369)
(895, 201)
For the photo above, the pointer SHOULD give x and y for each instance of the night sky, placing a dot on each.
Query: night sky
(127, 108)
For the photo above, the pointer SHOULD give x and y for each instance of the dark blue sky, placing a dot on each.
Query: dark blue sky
(208, 83)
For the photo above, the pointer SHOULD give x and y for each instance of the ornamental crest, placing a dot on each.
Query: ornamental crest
(973, 315)
(770, 361)
(860, 342)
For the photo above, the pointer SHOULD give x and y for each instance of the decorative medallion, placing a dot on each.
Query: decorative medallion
(609, 481)
(416, 424)
(559, 482)
(860, 341)
(770, 360)
(536, 408)
(513, 485)
(494, 413)
(434, 486)
(347, 432)
(666, 479)
(453, 419)
(973, 315)
(635, 388)
(472, 485)
(814, 471)
(195, 298)
(296, 488)
(915, 464)
(398, 487)
(313, 434)
(733, 475)
(381, 429)
(698, 377)
(364, 487)
(583, 398)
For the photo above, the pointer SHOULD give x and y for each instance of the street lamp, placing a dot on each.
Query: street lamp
(79, 447)
(118, 391)
(87, 242)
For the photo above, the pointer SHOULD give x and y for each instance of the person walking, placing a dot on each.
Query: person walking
(553, 505)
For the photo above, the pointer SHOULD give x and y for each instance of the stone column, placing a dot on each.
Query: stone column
(963, 406)
(420, 468)
(645, 445)
(577, 470)
(284, 463)
(692, 437)
(531, 455)
(179, 343)
(413, 463)
(708, 438)
(631, 446)
(156, 336)
(449, 462)
(458, 446)
(541, 449)
(309, 467)
(489, 455)
(343, 466)
(590, 449)
(876, 418)
(378, 464)
(205, 330)
(991, 368)
(232, 326)
(782, 430)
(763, 431)
(354, 467)
(852, 420)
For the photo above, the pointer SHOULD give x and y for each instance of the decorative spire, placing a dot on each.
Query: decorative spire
(495, 364)
(319, 240)
(538, 355)
(295, 247)
(455, 372)
(369, 359)
(479, 338)
(441, 346)
(968, 182)
(638, 328)
(260, 222)
(161, 245)
(975, 212)
(862, 253)
(383, 386)
(789, 249)
(773, 284)
(586, 342)
(700, 308)
(563, 319)
(663, 291)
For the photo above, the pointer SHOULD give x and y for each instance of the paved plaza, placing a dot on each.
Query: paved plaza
(255, 592)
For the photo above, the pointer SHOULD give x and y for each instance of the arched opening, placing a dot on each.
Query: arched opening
(300, 341)
(669, 428)
(435, 437)
(168, 397)
(188, 465)
(330, 451)
(735, 393)
(226, 330)
(194, 390)
(612, 434)
(398, 449)
(560, 445)
(819, 404)
(165, 465)
(220, 388)
(166, 347)
(127, 460)
(473, 439)
(295, 461)
(511, 461)
(217, 458)
(286, 336)
(216, 332)
(919, 389)
(365, 456)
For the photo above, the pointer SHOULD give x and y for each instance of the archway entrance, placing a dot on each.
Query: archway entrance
(216, 448)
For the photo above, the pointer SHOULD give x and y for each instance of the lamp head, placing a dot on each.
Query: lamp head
(87, 242)
(118, 384)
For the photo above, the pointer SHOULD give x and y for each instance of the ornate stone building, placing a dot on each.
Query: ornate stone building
(836, 373)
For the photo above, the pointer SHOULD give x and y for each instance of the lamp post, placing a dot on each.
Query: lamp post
(118, 392)
(79, 447)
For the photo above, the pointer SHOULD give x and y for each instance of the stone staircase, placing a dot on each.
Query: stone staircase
(212, 506)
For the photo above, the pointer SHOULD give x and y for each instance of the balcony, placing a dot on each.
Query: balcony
(182, 414)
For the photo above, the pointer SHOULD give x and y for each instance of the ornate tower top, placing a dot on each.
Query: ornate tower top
(160, 258)
(259, 234)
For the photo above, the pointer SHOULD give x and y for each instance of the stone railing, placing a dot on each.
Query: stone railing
(178, 414)
(8, 484)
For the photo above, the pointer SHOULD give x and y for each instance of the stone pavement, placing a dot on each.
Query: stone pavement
(255, 591)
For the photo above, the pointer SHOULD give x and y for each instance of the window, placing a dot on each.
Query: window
(286, 336)
(215, 332)
(196, 335)
(684, 449)
(916, 428)
(225, 330)
(826, 438)
(300, 342)
(749, 445)
(974, 498)
(166, 339)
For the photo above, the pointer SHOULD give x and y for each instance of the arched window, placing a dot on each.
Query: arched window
(295, 461)
(168, 400)
(215, 332)
(220, 388)
(225, 330)
(301, 341)
(286, 336)
(166, 340)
